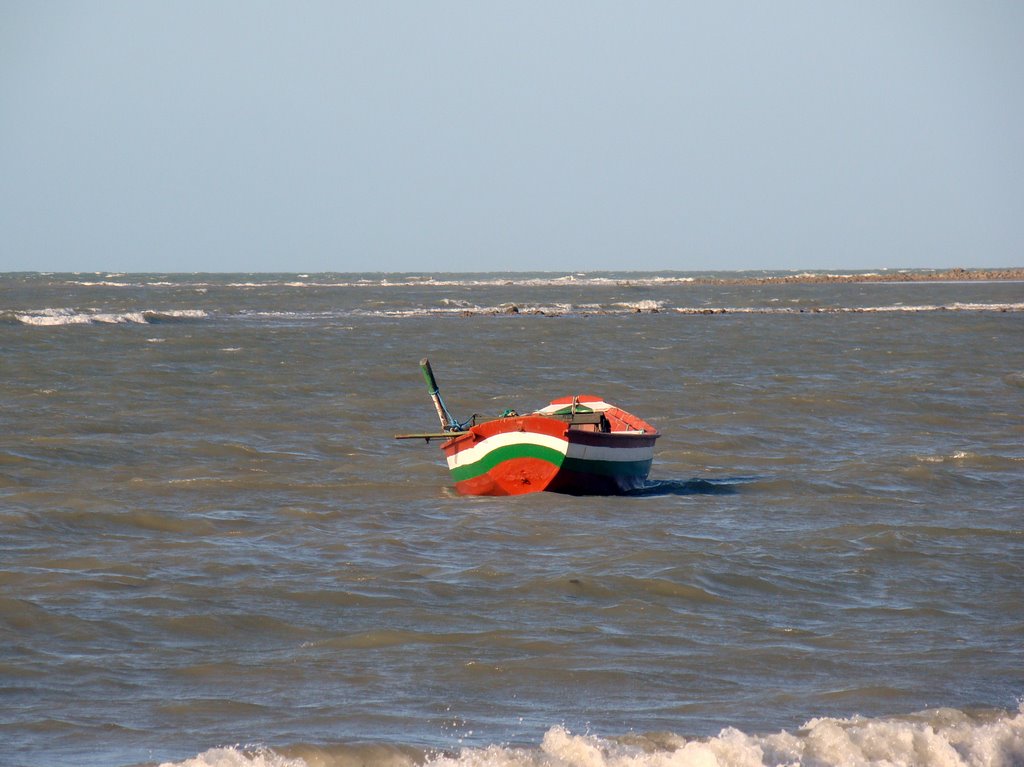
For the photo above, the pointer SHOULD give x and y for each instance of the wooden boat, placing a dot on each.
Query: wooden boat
(579, 445)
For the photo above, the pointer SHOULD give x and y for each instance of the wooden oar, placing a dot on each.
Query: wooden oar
(434, 435)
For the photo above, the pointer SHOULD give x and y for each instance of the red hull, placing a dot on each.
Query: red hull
(596, 450)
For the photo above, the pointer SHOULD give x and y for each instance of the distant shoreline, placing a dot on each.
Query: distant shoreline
(946, 275)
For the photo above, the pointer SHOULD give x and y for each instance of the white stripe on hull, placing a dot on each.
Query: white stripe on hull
(480, 449)
(603, 453)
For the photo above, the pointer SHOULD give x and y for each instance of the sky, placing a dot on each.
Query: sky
(452, 135)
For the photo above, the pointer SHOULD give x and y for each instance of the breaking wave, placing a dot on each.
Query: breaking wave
(51, 317)
(894, 309)
(937, 738)
(539, 279)
(659, 307)
(396, 280)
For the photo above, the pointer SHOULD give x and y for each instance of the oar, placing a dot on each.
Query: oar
(447, 422)
(428, 437)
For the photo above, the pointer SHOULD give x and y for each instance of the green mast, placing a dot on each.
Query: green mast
(447, 422)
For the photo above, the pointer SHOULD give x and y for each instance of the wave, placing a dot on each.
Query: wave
(528, 279)
(658, 307)
(533, 280)
(894, 309)
(52, 317)
(939, 738)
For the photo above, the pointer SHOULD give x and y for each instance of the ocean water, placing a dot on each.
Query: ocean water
(213, 552)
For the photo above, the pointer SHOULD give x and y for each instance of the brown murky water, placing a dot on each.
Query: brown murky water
(211, 545)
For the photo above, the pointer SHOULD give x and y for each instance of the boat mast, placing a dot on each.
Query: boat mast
(448, 423)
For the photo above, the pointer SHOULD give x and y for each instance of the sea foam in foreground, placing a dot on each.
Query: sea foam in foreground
(940, 738)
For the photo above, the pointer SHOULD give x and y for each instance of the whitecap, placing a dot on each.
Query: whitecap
(53, 317)
(238, 756)
(646, 305)
(935, 738)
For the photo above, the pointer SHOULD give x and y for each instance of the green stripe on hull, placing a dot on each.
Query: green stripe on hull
(506, 453)
(608, 468)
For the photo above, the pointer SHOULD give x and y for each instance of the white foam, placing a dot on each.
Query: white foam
(237, 756)
(441, 280)
(938, 738)
(959, 455)
(456, 310)
(52, 317)
(646, 305)
(177, 314)
(108, 318)
(943, 738)
(104, 284)
(48, 317)
(895, 308)
(405, 281)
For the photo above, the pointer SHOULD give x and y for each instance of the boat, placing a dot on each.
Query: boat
(578, 444)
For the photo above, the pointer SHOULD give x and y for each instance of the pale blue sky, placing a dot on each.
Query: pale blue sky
(470, 136)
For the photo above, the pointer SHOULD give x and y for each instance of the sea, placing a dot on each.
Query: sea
(214, 553)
